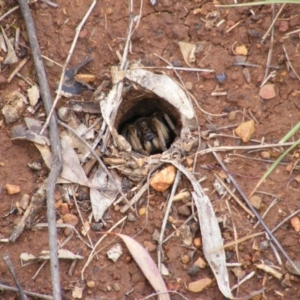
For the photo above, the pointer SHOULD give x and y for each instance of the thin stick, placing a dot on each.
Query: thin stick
(270, 49)
(97, 244)
(289, 62)
(249, 276)
(267, 210)
(256, 214)
(58, 92)
(99, 161)
(181, 69)
(13, 273)
(17, 69)
(163, 226)
(230, 148)
(241, 204)
(32, 294)
(55, 145)
(14, 9)
(272, 24)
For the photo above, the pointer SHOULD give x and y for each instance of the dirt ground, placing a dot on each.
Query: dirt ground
(161, 28)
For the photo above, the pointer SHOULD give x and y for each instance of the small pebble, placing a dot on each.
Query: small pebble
(116, 287)
(256, 201)
(199, 285)
(200, 262)
(64, 209)
(184, 210)
(185, 259)
(241, 50)
(295, 222)
(221, 77)
(245, 130)
(193, 270)
(268, 91)
(12, 189)
(142, 211)
(91, 284)
(70, 219)
(197, 242)
(131, 217)
(150, 246)
(265, 154)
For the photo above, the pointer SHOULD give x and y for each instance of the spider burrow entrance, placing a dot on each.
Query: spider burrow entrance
(149, 124)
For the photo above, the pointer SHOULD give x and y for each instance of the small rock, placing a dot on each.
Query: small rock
(256, 201)
(91, 283)
(117, 208)
(200, 262)
(142, 211)
(70, 219)
(241, 50)
(77, 292)
(24, 201)
(295, 222)
(64, 209)
(197, 242)
(231, 116)
(162, 180)
(116, 287)
(264, 245)
(189, 161)
(12, 189)
(221, 77)
(193, 270)
(268, 91)
(265, 154)
(184, 210)
(149, 246)
(67, 231)
(245, 130)
(156, 235)
(283, 26)
(83, 33)
(199, 285)
(189, 85)
(10, 114)
(131, 217)
(164, 271)
(115, 252)
(185, 259)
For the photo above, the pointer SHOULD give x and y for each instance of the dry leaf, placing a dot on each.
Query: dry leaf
(210, 231)
(11, 56)
(188, 52)
(33, 95)
(147, 265)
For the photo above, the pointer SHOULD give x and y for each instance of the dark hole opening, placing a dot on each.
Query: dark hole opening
(139, 121)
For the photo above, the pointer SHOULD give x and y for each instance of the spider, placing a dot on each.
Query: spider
(149, 135)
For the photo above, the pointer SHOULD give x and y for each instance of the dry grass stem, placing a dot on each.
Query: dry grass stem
(91, 256)
(249, 212)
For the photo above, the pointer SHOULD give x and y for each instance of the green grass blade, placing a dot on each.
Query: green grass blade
(274, 165)
(290, 133)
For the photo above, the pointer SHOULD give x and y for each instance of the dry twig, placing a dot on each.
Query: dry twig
(55, 145)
